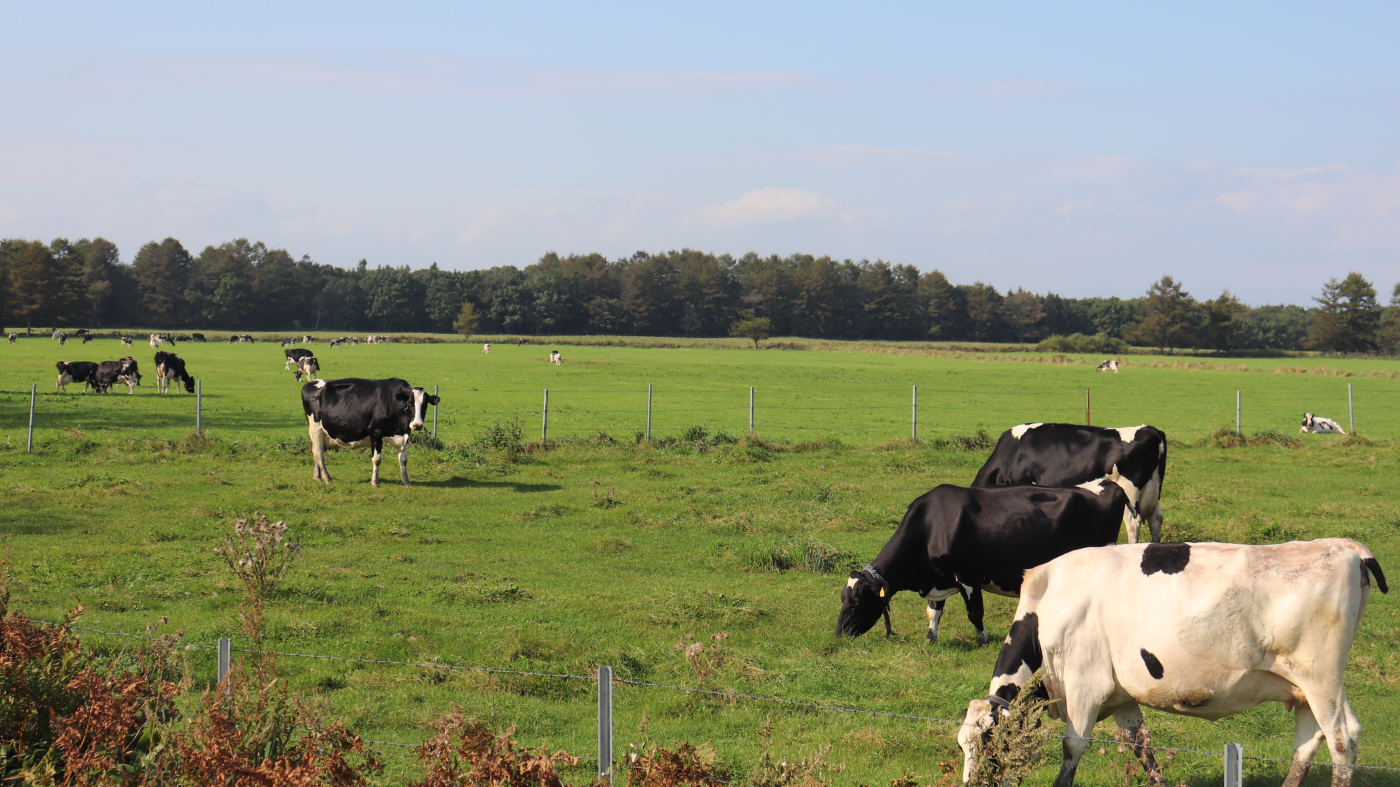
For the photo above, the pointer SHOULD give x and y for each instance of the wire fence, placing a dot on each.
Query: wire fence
(854, 415)
(1230, 755)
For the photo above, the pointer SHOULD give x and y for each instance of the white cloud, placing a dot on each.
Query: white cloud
(768, 206)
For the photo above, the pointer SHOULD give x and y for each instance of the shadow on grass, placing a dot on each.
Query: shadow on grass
(458, 482)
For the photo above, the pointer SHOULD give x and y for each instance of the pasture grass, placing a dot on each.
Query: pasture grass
(605, 550)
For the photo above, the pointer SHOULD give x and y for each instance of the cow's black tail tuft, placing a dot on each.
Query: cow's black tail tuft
(1374, 567)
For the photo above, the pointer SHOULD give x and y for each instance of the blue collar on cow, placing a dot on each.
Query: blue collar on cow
(999, 702)
(870, 569)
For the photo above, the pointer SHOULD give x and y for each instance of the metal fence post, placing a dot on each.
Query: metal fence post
(750, 409)
(33, 391)
(1351, 413)
(605, 726)
(1237, 412)
(1087, 421)
(435, 414)
(648, 412)
(1234, 765)
(225, 659)
(914, 428)
(199, 407)
(544, 425)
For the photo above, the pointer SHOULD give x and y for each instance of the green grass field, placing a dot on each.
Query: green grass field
(492, 560)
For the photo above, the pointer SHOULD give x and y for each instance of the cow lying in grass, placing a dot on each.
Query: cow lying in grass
(1204, 630)
(1316, 424)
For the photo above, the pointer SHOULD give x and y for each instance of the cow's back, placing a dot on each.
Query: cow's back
(1070, 454)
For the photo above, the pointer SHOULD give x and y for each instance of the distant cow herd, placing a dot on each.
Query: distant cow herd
(1203, 630)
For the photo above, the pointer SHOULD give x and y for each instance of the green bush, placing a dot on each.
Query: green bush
(1079, 343)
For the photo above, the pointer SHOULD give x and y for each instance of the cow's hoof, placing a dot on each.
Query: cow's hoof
(932, 638)
(983, 639)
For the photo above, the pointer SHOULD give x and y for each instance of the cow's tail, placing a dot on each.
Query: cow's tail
(1370, 563)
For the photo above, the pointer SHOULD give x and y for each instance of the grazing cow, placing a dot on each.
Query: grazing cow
(62, 339)
(197, 337)
(155, 341)
(308, 339)
(522, 342)
(352, 413)
(1134, 457)
(963, 541)
(307, 365)
(126, 341)
(337, 342)
(124, 372)
(247, 338)
(233, 338)
(293, 356)
(555, 359)
(57, 334)
(87, 338)
(75, 372)
(171, 366)
(13, 336)
(1111, 365)
(1205, 630)
(486, 349)
(1316, 424)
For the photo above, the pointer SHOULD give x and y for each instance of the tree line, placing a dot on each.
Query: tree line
(243, 285)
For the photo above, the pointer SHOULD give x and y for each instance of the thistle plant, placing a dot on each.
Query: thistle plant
(259, 553)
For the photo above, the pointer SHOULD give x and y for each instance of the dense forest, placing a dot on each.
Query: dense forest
(245, 286)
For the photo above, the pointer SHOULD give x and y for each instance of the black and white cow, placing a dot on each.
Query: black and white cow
(126, 372)
(955, 540)
(293, 356)
(307, 365)
(75, 372)
(1204, 630)
(170, 366)
(555, 358)
(197, 337)
(354, 412)
(13, 336)
(1316, 424)
(1134, 457)
(126, 341)
(1110, 365)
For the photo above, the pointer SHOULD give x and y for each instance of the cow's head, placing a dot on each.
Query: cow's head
(1307, 421)
(421, 400)
(976, 730)
(863, 601)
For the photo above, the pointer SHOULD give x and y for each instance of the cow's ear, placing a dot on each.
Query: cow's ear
(857, 574)
(433, 400)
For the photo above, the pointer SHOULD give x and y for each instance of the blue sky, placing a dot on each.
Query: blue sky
(1081, 148)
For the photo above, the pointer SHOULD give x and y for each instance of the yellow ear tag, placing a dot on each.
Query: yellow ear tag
(882, 592)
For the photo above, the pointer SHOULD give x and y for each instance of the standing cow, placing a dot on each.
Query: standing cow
(1134, 457)
(486, 349)
(307, 366)
(1204, 630)
(125, 372)
(75, 372)
(170, 366)
(963, 541)
(354, 412)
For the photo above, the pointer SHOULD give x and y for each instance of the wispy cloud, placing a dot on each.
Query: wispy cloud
(407, 73)
(769, 206)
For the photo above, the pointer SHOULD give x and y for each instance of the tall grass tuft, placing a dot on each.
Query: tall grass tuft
(1015, 747)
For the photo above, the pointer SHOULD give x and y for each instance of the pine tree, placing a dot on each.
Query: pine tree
(1166, 320)
(1347, 316)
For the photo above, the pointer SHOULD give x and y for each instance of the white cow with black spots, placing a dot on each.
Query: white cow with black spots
(1316, 424)
(486, 349)
(1204, 630)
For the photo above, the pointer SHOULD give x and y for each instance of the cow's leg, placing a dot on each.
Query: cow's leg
(1307, 736)
(1129, 718)
(402, 443)
(889, 630)
(318, 452)
(1081, 712)
(1149, 505)
(376, 448)
(1332, 714)
(974, 614)
(935, 616)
